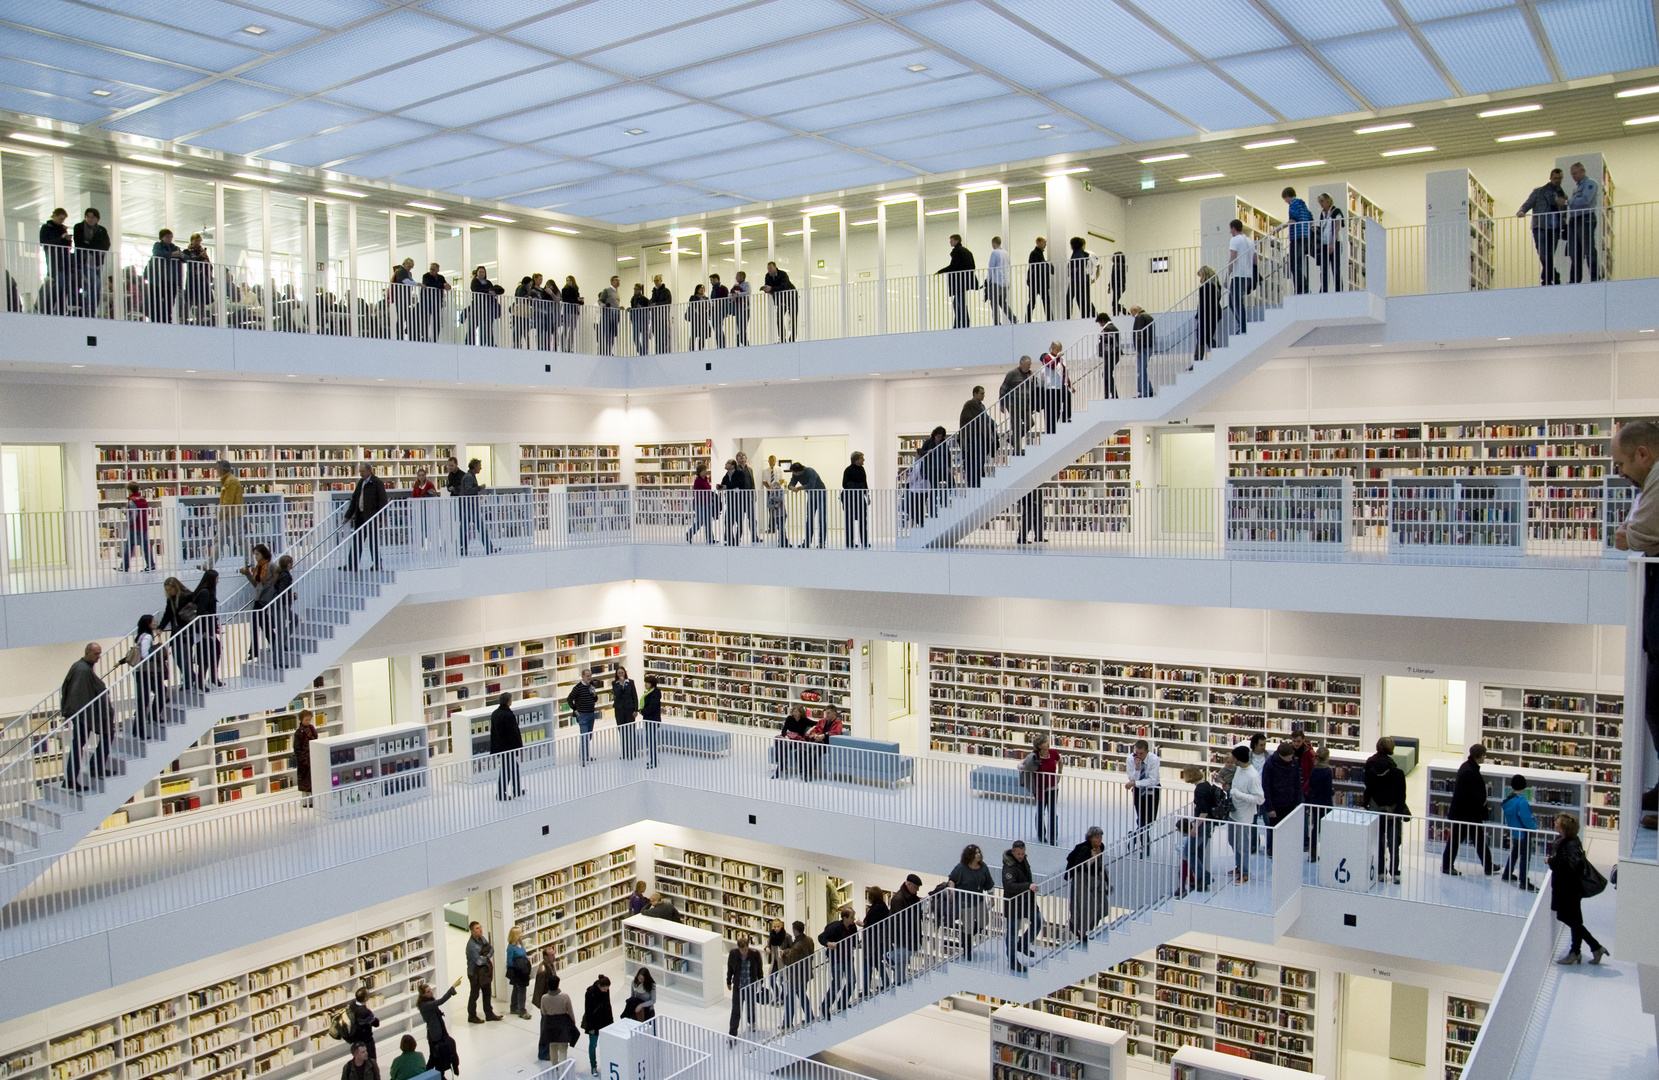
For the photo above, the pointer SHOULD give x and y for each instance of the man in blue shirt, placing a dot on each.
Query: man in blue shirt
(817, 501)
(1548, 205)
(1300, 226)
(1583, 207)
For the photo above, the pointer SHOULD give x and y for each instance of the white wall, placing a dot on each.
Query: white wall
(556, 256)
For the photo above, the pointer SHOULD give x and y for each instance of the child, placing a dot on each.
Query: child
(1517, 814)
(1319, 799)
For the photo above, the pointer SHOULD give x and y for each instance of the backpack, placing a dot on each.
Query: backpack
(1028, 772)
(339, 1026)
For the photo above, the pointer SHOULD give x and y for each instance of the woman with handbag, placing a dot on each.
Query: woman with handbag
(518, 973)
(1574, 879)
(558, 1024)
(441, 1055)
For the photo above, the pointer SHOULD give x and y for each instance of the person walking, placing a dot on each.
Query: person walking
(1109, 348)
(362, 1022)
(1089, 881)
(596, 1017)
(902, 929)
(1018, 396)
(817, 501)
(744, 481)
(368, 499)
(474, 515)
(840, 939)
(1022, 920)
(1547, 203)
(410, 1063)
(743, 970)
(1081, 273)
(971, 879)
(480, 971)
(1245, 789)
(777, 940)
(874, 940)
(705, 505)
(700, 314)
(91, 249)
(138, 530)
(1320, 798)
(1468, 812)
(506, 746)
(361, 1065)
(230, 521)
(959, 279)
(149, 679)
(610, 315)
(1517, 814)
(1333, 227)
(1300, 226)
(1040, 775)
(1241, 273)
(1583, 210)
(1144, 786)
(583, 700)
(855, 503)
(1385, 793)
(441, 1055)
(546, 972)
(558, 1024)
(976, 433)
(662, 324)
(782, 291)
(1207, 315)
(1039, 279)
(1143, 335)
(1056, 388)
(625, 709)
(650, 713)
(85, 703)
(1570, 867)
(203, 640)
(996, 283)
(796, 977)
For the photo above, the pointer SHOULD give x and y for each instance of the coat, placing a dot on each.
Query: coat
(544, 981)
(303, 735)
(504, 730)
(624, 700)
(1567, 882)
(1247, 793)
(1012, 382)
(596, 1010)
(651, 707)
(903, 927)
(1091, 887)
(1281, 786)
(742, 969)
(1385, 785)
(368, 498)
(82, 687)
(1468, 794)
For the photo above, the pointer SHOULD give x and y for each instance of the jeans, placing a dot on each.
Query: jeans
(1237, 290)
(1582, 247)
(1581, 938)
(593, 1052)
(1025, 922)
(1330, 268)
(1198, 855)
(92, 282)
(784, 304)
(737, 1008)
(1048, 803)
(1546, 240)
(998, 295)
(609, 319)
(1143, 373)
(1243, 836)
(585, 722)
(515, 1002)
(817, 510)
(138, 539)
(1300, 248)
(899, 958)
(652, 729)
(1520, 851)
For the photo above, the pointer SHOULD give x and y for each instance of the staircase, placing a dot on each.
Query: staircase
(221, 665)
(1035, 430)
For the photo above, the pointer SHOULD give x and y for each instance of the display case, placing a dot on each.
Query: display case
(576, 910)
(536, 722)
(725, 895)
(1459, 234)
(1486, 515)
(686, 962)
(364, 772)
(1030, 1045)
(1301, 513)
(747, 679)
(1562, 730)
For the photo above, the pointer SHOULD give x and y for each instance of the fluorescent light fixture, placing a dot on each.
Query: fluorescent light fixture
(634, 131)
(979, 185)
(1508, 110)
(826, 209)
(625, 258)
(1265, 143)
(750, 221)
(256, 30)
(941, 213)
(1200, 176)
(1638, 91)
(497, 217)
(1398, 125)
(915, 67)
(1524, 136)
(1503, 339)
(151, 159)
(1068, 172)
(434, 207)
(20, 152)
(1163, 157)
(1040, 127)
(856, 224)
(1408, 150)
(39, 140)
(347, 192)
(562, 229)
(728, 243)
(1026, 199)
(262, 178)
(1300, 164)
(687, 230)
(102, 93)
(903, 196)
(1644, 331)
(1633, 121)
(796, 232)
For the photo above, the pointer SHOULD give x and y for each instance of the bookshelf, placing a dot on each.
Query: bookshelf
(1215, 213)
(1357, 209)
(454, 680)
(684, 961)
(1459, 231)
(364, 772)
(1028, 1044)
(1488, 513)
(1348, 777)
(1549, 791)
(725, 895)
(750, 680)
(577, 909)
(1089, 495)
(1464, 1017)
(1304, 512)
(272, 1019)
(1195, 1063)
(292, 469)
(669, 465)
(536, 723)
(242, 757)
(990, 703)
(553, 465)
(1559, 730)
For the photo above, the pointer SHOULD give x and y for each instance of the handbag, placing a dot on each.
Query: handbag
(1590, 880)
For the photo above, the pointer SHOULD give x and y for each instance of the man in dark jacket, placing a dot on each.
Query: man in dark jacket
(1090, 884)
(54, 244)
(597, 1016)
(843, 929)
(1385, 792)
(1018, 395)
(91, 248)
(1039, 276)
(662, 322)
(743, 483)
(360, 1066)
(506, 738)
(782, 291)
(959, 278)
(1282, 786)
(368, 498)
(466, 486)
(1548, 206)
(480, 970)
(902, 929)
(977, 434)
(433, 287)
(84, 701)
(795, 976)
(1143, 333)
(583, 700)
(743, 967)
(1468, 806)
(1021, 907)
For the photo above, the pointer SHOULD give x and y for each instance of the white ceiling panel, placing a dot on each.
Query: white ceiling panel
(988, 39)
(957, 118)
(402, 159)
(607, 106)
(1290, 81)
(1018, 151)
(639, 155)
(387, 42)
(71, 84)
(471, 64)
(763, 186)
(158, 74)
(848, 83)
(491, 16)
(1595, 36)
(1118, 40)
(290, 122)
(213, 104)
(1319, 19)
(470, 107)
(227, 21)
(669, 123)
(910, 99)
(822, 52)
(332, 13)
(1202, 97)
(589, 27)
(1386, 67)
(500, 187)
(1215, 27)
(1439, 9)
(733, 164)
(81, 23)
(724, 35)
(334, 145)
(1122, 110)
(513, 159)
(1494, 50)
(51, 106)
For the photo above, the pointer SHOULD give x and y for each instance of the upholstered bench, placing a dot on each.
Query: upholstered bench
(866, 761)
(676, 739)
(998, 782)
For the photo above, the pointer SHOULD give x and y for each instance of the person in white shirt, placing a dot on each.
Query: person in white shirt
(772, 481)
(1241, 272)
(996, 283)
(1246, 790)
(1142, 766)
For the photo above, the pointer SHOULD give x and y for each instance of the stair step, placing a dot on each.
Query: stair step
(22, 832)
(48, 814)
(58, 796)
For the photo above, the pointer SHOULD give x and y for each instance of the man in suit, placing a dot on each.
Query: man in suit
(1039, 275)
(368, 498)
(977, 435)
(959, 278)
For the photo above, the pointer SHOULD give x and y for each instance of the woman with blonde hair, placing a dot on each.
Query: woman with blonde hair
(1208, 315)
(518, 972)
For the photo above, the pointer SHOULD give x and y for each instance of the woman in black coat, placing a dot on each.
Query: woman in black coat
(441, 1055)
(625, 703)
(596, 1016)
(1208, 316)
(506, 738)
(1385, 792)
(650, 711)
(1567, 862)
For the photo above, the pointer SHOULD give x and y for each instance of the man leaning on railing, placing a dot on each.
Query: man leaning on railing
(1635, 450)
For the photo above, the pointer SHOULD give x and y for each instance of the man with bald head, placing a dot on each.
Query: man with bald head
(1635, 451)
(84, 702)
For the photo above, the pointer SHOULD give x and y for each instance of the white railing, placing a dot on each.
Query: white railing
(1498, 1046)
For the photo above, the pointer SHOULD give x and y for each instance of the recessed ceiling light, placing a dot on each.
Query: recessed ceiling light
(256, 30)
(1040, 127)
(1068, 172)
(625, 258)
(1524, 136)
(1408, 150)
(497, 217)
(263, 178)
(1265, 143)
(634, 131)
(347, 192)
(750, 221)
(1637, 91)
(1400, 125)
(190, 371)
(825, 209)
(293, 376)
(38, 140)
(1026, 199)
(1644, 331)
(102, 93)
(434, 207)
(1503, 339)
(151, 159)
(916, 67)
(903, 196)
(937, 213)
(562, 229)
(1163, 157)
(19, 151)
(867, 221)
(1300, 164)
(77, 365)
(1641, 120)
(980, 185)
(1200, 176)
(1509, 110)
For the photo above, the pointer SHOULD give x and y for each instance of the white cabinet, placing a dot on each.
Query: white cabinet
(1195, 1063)
(363, 772)
(685, 962)
(1029, 1045)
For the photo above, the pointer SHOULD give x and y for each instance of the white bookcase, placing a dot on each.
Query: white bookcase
(1196, 1063)
(1030, 1045)
(1296, 512)
(269, 1021)
(293, 469)
(1464, 1017)
(1215, 213)
(554, 465)
(535, 724)
(1090, 495)
(725, 895)
(1459, 232)
(1560, 730)
(1348, 777)
(684, 961)
(576, 909)
(1550, 791)
(751, 680)
(1486, 514)
(671, 464)
(363, 772)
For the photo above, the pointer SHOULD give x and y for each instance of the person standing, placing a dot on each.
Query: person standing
(1300, 226)
(485, 308)
(583, 700)
(959, 279)
(1206, 805)
(596, 1017)
(441, 1055)
(1635, 450)
(610, 315)
(662, 320)
(817, 501)
(1245, 788)
(203, 642)
(546, 972)
(1118, 281)
(745, 483)
(138, 529)
(796, 977)
(480, 971)
(1569, 864)
(737, 489)
(1333, 226)
(1583, 208)
(855, 502)
(1241, 273)
(410, 1063)
(1281, 787)
(782, 291)
(473, 513)
(971, 879)
(402, 290)
(1109, 348)
(777, 940)
(976, 432)
(625, 708)
(305, 733)
(1081, 272)
(1547, 203)
(198, 284)
(1385, 793)
(362, 1021)
(772, 480)
(1022, 919)
(1057, 388)
(1320, 798)
(1142, 766)
(1090, 883)
(506, 746)
(229, 532)
(639, 318)
(705, 505)
(740, 291)
(1207, 315)
(165, 271)
(60, 262)
(569, 307)
(1142, 333)
(361, 1065)
(149, 677)
(422, 490)
(91, 249)
(743, 969)
(719, 309)
(1517, 814)
(1468, 807)
(1039, 278)
(558, 1024)
(1041, 775)
(368, 499)
(650, 713)
(432, 300)
(996, 283)
(85, 704)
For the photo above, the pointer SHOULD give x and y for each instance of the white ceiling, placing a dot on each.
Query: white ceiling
(632, 112)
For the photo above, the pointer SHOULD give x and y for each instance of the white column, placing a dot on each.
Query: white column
(771, 242)
(737, 251)
(804, 292)
(674, 267)
(881, 268)
(268, 285)
(846, 293)
(431, 241)
(921, 264)
(351, 265)
(703, 240)
(391, 244)
(1007, 241)
(58, 183)
(307, 291)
